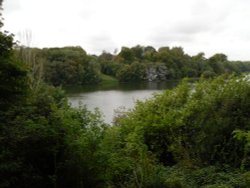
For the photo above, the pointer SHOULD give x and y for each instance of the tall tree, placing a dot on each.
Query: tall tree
(13, 75)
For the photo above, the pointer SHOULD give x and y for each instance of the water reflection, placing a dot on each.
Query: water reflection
(109, 99)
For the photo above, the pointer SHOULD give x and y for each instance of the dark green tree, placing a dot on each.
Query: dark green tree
(127, 55)
(13, 74)
(69, 66)
(138, 52)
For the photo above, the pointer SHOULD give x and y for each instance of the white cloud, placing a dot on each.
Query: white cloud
(210, 26)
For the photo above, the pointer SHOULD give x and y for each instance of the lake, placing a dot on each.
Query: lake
(109, 98)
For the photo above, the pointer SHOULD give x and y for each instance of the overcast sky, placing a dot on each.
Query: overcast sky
(209, 26)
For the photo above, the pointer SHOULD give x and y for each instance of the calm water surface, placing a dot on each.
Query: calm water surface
(110, 98)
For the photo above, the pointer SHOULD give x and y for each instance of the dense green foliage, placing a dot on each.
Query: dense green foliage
(147, 64)
(192, 136)
(196, 135)
(43, 141)
(62, 66)
(71, 66)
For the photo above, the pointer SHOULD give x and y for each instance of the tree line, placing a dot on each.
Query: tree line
(136, 64)
(70, 66)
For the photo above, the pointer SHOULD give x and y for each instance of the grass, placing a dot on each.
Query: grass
(108, 80)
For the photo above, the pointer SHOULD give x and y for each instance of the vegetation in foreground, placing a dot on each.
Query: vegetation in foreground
(191, 136)
(196, 135)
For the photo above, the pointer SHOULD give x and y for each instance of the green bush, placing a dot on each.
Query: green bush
(191, 126)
